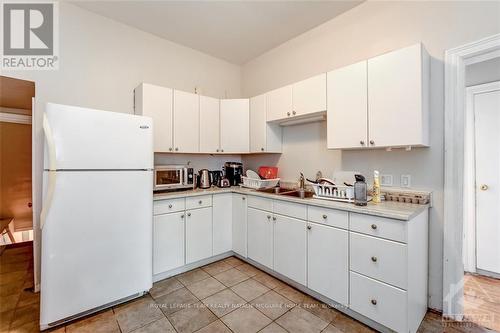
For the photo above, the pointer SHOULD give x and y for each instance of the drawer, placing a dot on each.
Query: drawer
(331, 217)
(379, 227)
(199, 202)
(380, 302)
(260, 203)
(291, 209)
(168, 206)
(380, 259)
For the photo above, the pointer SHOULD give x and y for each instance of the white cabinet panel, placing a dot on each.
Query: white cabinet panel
(260, 237)
(279, 103)
(168, 206)
(168, 242)
(309, 95)
(290, 248)
(290, 209)
(264, 137)
(347, 114)
(240, 224)
(234, 122)
(222, 222)
(210, 120)
(156, 102)
(379, 227)
(198, 201)
(328, 262)
(198, 234)
(331, 217)
(186, 122)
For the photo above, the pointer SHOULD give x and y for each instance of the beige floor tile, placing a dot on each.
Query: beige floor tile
(348, 324)
(8, 302)
(176, 301)
(246, 320)
(320, 309)
(215, 327)
(273, 328)
(272, 304)
(224, 302)
(267, 280)
(6, 278)
(25, 315)
(250, 289)
(217, 267)
(291, 293)
(192, 276)
(164, 287)
(192, 318)
(248, 269)
(231, 277)
(137, 313)
(205, 288)
(332, 329)
(103, 322)
(233, 261)
(300, 320)
(160, 326)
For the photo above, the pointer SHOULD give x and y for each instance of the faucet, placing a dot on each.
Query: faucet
(302, 182)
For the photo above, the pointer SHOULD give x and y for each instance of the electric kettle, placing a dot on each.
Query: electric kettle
(204, 178)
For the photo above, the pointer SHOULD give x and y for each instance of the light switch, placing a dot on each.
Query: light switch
(405, 180)
(386, 180)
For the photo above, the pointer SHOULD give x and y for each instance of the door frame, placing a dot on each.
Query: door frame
(454, 164)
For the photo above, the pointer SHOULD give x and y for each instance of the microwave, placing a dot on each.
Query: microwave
(172, 177)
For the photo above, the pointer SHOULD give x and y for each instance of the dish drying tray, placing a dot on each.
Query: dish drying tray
(341, 193)
(259, 184)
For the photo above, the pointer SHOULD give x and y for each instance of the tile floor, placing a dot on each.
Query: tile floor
(226, 296)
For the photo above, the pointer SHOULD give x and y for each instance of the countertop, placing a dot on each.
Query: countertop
(390, 209)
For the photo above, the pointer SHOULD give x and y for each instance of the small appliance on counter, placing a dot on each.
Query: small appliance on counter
(233, 172)
(204, 179)
(173, 177)
(216, 177)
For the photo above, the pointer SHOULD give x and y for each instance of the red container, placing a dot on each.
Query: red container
(268, 172)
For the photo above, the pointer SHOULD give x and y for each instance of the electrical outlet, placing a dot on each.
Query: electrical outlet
(386, 180)
(405, 180)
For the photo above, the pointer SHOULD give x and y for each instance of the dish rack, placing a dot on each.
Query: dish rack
(259, 184)
(334, 192)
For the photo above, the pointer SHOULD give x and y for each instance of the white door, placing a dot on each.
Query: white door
(258, 124)
(198, 234)
(168, 242)
(328, 262)
(156, 102)
(235, 124)
(309, 95)
(186, 122)
(260, 237)
(487, 137)
(209, 124)
(240, 224)
(279, 103)
(290, 248)
(347, 115)
(222, 222)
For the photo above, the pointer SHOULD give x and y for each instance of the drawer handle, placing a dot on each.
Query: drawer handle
(189, 214)
(374, 226)
(200, 202)
(309, 227)
(268, 217)
(170, 206)
(374, 301)
(325, 216)
(274, 218)
(374, 259)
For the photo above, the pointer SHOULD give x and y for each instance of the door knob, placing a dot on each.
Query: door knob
(484, 187)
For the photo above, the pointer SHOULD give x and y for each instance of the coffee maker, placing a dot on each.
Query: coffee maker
(233, 172)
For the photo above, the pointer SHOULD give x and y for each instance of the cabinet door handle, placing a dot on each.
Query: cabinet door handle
(222, 150)
(182, 216)
(261, 149)
(372, 142)
(170, 149)
(374, 259)
(325, 217)
(374, 301)
(294, 113)
(309, 227)
(176, 148)
(362, 142)
(374, 226)
(274, 218)
(200, 202)
(170, 206)
(217, 150)
(189, 214)
(268, 217)
(288, 114)
(243, 198)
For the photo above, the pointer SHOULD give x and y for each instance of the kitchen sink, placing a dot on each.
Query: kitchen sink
(287, 192)
(296, 193)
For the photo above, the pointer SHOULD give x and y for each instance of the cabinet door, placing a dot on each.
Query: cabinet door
(168, 242)
(347, 114)
(258, 124)
(327, 262)
(209, 120)
(156, 102)
(240, 224)
(309, 96)
(279, 103)
(290, 248)
(198, 234)
(222, 222)
(397, 102)
(186, 122)
(235, 124)
(260, 237)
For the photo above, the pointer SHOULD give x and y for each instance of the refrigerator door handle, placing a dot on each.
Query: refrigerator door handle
(51, 146)
(47, 202)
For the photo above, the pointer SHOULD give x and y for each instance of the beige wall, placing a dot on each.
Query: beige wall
(367, 30)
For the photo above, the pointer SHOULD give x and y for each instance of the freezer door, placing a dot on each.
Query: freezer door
(96, 241)
(80, 139)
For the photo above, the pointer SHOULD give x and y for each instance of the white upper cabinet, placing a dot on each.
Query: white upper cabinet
(264, 137)
(186, 122)
(156, 102)
(210, 120)
(234, 122)
(347, 115)
(279, 103)
(398, 98)
(309, 95)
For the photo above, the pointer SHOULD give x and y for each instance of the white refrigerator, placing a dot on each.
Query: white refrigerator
(97, 211)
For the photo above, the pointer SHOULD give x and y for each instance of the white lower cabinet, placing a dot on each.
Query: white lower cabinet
(260, 237)
(168, 240)
(222, 223)
(198, 234)
(240, 224)
(290, 248)
(328, 262)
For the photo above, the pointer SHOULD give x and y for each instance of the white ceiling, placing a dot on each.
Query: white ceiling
(236, 31)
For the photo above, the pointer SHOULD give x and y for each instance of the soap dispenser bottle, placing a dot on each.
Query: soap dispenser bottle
(376, 187)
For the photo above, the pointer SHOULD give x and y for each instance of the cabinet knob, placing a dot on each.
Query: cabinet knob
(294, 113)
(243, 198)
(288, 114)
(374, 259)
(325, 216)
(170, 206)
(362, 142)
(170, 149)
(182, 216)
(374, 301)
(200, 202)
(309, 227)
(261, 149)
(222, 150)
(217, 150)
(268, 217)
(189, 214)
(372, 142)
(274, 218)
(176, 148)
(374, 226)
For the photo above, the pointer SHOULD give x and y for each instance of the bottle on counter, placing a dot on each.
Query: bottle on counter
(376, 187)
(360, 189)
